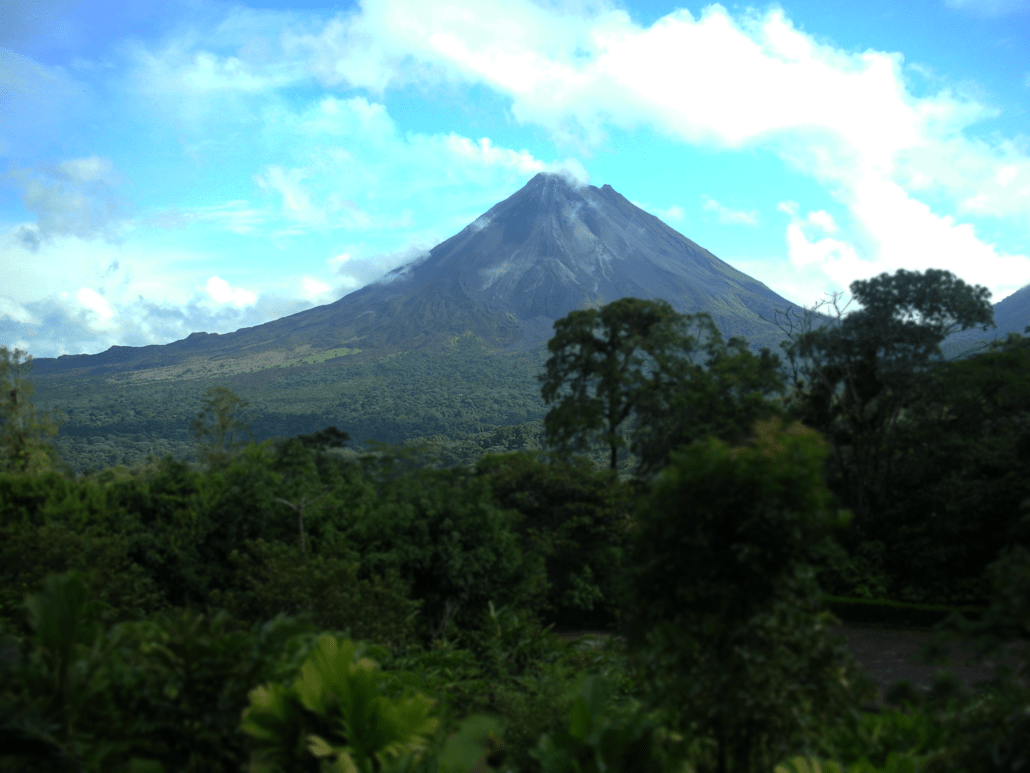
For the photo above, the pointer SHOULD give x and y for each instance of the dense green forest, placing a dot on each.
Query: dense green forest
(306, 603)
(456, 393)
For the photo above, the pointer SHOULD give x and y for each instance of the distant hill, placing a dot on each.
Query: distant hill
(448, 345)
(550, 248)
(1011, 315)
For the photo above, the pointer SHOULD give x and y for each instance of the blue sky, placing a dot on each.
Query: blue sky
(173, 166)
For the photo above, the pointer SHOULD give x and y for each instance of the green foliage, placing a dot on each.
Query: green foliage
(176, 531)
(722, 398)
(528, 675)
(901, 734)
(180, 682)
(275, 578)
(576, 517)
(453, 546)
(631, 363)
(961, 476)
(220, 426)
(723, 614)
(335, 711)
(851, 380)
(595, 741)
(23, 430)
(993, 733)
(49, 523)
(603, 363)
(138, 696)
(304, 526)
(28, 554)
(54, 683)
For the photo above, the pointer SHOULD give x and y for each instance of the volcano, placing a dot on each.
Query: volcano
(552, 247)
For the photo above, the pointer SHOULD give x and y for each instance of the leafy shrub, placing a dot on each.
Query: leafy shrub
(274, 578)
(595, 741)
(336, 712)
(29, 552)
(442, 531)
(576, 518)
(179, 683)
(54, 683)
(154, 693)
(723, 614)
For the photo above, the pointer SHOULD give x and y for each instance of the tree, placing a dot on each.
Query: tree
(23, 431)
(723, 614)
(219, 426)
(576, 517)
(723, 397)
(603, 363)
(852, 380)
(962, 470)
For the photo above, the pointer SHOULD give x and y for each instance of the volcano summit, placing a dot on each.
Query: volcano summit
(550, 248)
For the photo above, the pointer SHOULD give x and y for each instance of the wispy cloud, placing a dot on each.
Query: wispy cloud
(236, 216)
(75, 197)
(727, 215)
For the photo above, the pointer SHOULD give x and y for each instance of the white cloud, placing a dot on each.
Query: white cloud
(670, 214)
(834, 258)
(296, 203)
(483, 152)
(727, 215)
(314, 289)
(906, 232)
(221, 292)
(98, 310)
(16, 312)
(751, 79)
(895, 230)
(76, 296)
(578, 68)
(673, 214)
(850, 119)
(74, 197)
(236, 216)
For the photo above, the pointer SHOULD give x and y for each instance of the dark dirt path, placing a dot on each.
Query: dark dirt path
(889, 655)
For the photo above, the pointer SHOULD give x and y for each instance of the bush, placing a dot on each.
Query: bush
(137, 696)
(336, 715)
(724, 616)
(29, 553)
(453, 546)
(575, 517)
(274, 578)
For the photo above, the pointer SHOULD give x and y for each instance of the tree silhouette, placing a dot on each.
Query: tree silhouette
(23, 431)
(220, 426)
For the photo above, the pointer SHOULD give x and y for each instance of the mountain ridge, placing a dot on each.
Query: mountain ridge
(546, 250)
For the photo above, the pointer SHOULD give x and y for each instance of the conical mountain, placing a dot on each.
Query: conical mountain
(550, 248)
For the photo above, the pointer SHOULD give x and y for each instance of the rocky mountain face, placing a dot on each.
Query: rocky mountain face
(1011, 315)
(550, 248)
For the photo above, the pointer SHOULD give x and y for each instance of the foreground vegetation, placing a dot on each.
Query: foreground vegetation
(298, 605)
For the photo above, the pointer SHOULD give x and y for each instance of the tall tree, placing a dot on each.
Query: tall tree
(722, 396)
(852, 379)
(720, 597)
(220, 426)
(603, 363)
(962, 473)
(23, 430)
